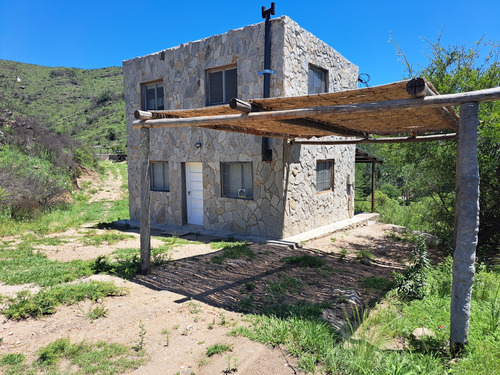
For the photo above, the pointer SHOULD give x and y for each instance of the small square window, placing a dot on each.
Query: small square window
(222, 86)
(159, 176)
(152, 97)
(317, 80)
(324, 175)
(237, 180)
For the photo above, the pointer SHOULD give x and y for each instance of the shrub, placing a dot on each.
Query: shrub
(391, 191)
(414, 282)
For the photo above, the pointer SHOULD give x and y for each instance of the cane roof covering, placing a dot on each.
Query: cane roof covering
(383, 121)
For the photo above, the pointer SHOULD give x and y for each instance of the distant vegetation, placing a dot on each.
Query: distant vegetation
(37, 165)
(416, 183)
(52, 122)
(86, 104)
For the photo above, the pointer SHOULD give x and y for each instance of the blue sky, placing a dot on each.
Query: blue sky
(94, 34)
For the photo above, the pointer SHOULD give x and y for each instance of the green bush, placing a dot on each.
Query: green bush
(391, 191)
(414, 282)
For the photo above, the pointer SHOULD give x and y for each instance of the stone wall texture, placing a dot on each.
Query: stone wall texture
(284, 199)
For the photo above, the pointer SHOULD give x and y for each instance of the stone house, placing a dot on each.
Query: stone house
(226, 181)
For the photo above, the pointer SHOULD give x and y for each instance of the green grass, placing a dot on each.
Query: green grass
(97, 312)
(360, 254)
(305, 261)
(287, 285)
(377, 283)
(47, 300)
(300, 330)
(109, 237)
(231, 250)
(26, 267)
(218, 349)
(62, 217)
(84, 358)
(126, 262)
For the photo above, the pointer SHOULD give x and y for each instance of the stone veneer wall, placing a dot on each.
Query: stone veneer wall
(305, 209)
(183, 70)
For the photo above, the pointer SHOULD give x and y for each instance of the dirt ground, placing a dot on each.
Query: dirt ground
(198, 302)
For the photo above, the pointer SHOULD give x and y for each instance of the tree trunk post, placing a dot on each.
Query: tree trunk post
(373, 187)
(145, 202)
(466, 226)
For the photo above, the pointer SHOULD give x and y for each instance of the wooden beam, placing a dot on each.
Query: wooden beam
(143, 115)
(436, 101)
(466, 227)
(240, 105)
(423, 138)
(145, 230)
(417, 87)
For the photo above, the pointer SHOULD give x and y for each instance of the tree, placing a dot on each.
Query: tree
(426, 169)
(460, 69)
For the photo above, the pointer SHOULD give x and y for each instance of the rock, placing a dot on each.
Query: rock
(352, 297)
(340, 325)
(422, 332)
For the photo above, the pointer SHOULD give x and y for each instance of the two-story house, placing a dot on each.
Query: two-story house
(228, 181)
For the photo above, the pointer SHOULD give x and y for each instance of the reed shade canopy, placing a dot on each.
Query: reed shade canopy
(410, 107)
(381, 110)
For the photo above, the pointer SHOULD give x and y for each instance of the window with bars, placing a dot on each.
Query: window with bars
(160, 176)
(222, 85)
(152, 96)
(237, 180)
(317, 80)
(324, 175)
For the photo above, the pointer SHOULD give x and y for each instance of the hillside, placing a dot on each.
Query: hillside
(86, 104)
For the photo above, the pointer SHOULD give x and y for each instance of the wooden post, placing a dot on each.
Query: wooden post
(466, 226)
(145, 202)
(373, 187)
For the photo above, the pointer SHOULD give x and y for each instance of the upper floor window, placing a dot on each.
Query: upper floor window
(152, 96)
(317, 80)
(159, 176)
(222, 85)
(324, 175)
(237, 180)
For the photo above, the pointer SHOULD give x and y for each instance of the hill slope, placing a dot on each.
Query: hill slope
(87, 104)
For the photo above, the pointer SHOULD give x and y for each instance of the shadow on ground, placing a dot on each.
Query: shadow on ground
(253, 283)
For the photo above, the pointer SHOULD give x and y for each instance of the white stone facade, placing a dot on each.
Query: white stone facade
(284, 200)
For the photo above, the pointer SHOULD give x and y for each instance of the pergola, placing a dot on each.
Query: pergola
(407, 111)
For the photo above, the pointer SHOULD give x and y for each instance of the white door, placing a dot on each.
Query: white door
(194, 191)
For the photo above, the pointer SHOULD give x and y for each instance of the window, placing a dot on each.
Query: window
(324, 175)
(159, 176)
(237, 180)
(152, 97)
(222, 86)
(317, 80)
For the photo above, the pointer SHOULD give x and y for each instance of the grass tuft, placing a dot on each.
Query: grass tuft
(45, 302)
(218, 349)
(305, 261)
(232, 250)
